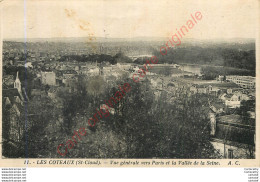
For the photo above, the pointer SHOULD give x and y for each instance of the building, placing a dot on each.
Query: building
(48, 78)
(217, 107)
(17, 83)
(242, 81)
(232, 138)
(201, 89)
(8, 81)
(69, 78)
(231, 100)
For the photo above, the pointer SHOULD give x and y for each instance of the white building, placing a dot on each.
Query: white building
(242, 81)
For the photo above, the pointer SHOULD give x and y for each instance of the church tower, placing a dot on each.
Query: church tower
(17, 83)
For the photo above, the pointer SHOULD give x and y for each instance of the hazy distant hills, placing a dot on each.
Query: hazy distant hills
(87, 39)
(134, 39)
(237, 53)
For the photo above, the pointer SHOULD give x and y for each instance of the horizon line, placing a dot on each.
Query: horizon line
(137, 37)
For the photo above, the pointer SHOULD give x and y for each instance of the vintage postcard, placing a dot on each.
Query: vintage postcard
(109, 83)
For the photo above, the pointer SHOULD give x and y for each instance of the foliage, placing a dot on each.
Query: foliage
(90, 58)
(122, 58)
(148, 128)
(211, 72)
(214, 56)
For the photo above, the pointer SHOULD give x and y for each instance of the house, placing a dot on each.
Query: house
(48, 78)
(70, 81)
(213, 90)
(201, 89)
(204, 89)
(221, 78)
(217, 107)
(242, 96)
(230, 100)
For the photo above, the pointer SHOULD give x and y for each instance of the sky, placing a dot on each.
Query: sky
(221, 19)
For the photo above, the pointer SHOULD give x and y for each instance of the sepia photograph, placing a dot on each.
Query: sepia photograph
(129, 79)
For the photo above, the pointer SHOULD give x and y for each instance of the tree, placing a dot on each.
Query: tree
(152, 128)
(184, 129)
(121, 58)
(95, 85)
